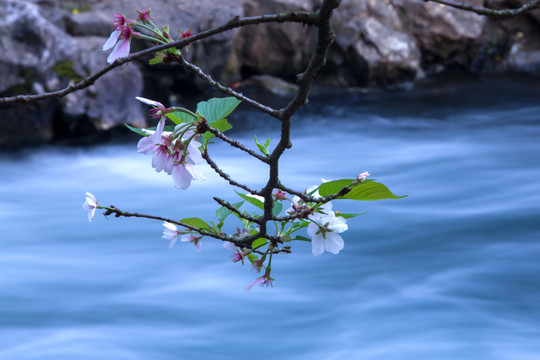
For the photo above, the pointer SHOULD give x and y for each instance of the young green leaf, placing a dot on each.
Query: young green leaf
(136, 130)
(196, 223)
(263, 148)
(221, 125)
(303, 238)
(258, 243)
(217, 108)
(179, 117)
(278, 207)
(348, 216)
(223, 212)
(368, 190)
(251, 199)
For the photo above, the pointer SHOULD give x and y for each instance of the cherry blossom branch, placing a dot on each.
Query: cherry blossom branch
(120, 213)
(236, 211)
(224, 89)
(325, 37)
(299, 16)
(202, 127)
(531, 5)
(243, 243)
(226, 176)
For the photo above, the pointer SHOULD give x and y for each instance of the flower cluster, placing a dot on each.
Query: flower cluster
(120, 38)
(171, 232)
(175, 153)
(90, 205)
(123, 32)
(324, 226)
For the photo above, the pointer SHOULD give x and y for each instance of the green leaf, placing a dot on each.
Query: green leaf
(258, 243)
(155, 60)
(221, 125)
(136, 130)
(179, 117)
(348, 216)
(217, 108)
(223, 212)
(278, 207)
(252, 200)
(253, 258)
(332, 187)
(303, 238)
(263, 148)
(196, 223)
(369, 190)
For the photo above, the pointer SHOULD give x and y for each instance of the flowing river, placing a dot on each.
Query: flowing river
(450, 272)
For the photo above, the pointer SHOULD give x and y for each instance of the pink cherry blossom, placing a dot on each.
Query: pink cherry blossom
(170, 232)
(121, 36)
(171, 156)
(264, 281)
(363, 176)
(90, 205)
(144, 15)
(195, 239)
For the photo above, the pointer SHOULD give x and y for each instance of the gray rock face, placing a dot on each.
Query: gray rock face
(445, 36)
(371, 47)
(111, 100)
(38, 56)
(274, 49)
(379, 43)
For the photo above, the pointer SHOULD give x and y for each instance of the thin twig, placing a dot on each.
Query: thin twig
(299, 16)
(225, 89)
(203, 127)
(226, 176)
(502, 13)
(236, 211)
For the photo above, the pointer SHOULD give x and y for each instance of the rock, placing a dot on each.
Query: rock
(212, 55)
(43, 58)
(111, 100)
(274, 49)
(35, 49)
(524, 58)
(371, 47)
(445, 36)
(266, 85)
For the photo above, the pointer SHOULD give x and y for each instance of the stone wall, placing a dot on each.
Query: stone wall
(379, 44)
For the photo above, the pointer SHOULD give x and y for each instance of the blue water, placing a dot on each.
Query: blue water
(450, 272)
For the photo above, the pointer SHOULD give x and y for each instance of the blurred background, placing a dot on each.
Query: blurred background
(437, 104)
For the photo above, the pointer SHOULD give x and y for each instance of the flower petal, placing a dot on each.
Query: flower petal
(333, 243)
(146, 145)
(120, 50)
(181, 177)
(111, 40)
(195, 172)
(149, 102)
(317, 240)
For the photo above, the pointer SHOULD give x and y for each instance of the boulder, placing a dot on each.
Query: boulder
(371, 47)
(274, 49)
(43, 57)
(445, 36)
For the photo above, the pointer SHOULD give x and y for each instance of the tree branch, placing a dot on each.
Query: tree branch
(236, 211)
(226, 176)
(299, 16)
(203, 127)
(224, 89)
(503, 13)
